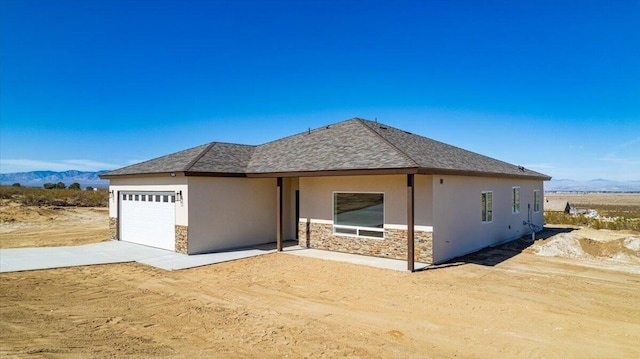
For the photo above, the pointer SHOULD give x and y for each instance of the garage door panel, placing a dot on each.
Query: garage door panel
(150, 221)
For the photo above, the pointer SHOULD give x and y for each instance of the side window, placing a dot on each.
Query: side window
(515, 200)
(536, 201)
(487, 206)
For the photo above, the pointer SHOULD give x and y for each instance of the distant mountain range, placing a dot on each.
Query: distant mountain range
(596, 185)
(39, 178)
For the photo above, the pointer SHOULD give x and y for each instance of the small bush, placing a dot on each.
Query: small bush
(16, 184)
(74, 185)
(49, 185)
(55, 197)
(617, 223)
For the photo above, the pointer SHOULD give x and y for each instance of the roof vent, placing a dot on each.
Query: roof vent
(383, 128)
(521, 168)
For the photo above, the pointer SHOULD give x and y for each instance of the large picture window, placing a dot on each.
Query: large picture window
(358, 214)
(515, 200)
(487, 206)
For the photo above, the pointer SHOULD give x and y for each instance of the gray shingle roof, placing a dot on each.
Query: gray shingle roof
(214, 157)
(350, 145)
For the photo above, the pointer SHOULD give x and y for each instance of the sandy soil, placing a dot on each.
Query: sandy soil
(551, 298)
(26, 226)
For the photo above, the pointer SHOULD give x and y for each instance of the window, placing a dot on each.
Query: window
(358, 214)
(515, 200)
(487, 206)
(536, 201)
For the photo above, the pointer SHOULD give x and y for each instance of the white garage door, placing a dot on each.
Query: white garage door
(148, 218)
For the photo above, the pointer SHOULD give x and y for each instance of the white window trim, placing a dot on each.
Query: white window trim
(536, 201)
(357, 228)
(515, 210)
(486, 208)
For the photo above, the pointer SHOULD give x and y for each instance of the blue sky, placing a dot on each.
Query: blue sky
(551, 85)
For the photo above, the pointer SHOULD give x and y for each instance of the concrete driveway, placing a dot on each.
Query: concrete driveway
(24, 259)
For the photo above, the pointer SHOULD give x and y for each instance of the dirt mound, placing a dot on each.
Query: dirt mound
(592, 245)
(13, 212)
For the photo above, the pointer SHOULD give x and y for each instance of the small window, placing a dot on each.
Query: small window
(136, 197)
(536, 201)
(143, 197)
(124, 197)
(515, 200)
(130, 197)
(165, 198)
(487, 206)
(158, 197)
(173, 198)
(358, 214)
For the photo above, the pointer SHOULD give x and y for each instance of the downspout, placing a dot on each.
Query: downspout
(279, 216)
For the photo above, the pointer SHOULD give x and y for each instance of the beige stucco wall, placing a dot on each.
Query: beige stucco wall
(457, 213)
(289, 225)
(316, 197)
(230, 212)
(157, 183)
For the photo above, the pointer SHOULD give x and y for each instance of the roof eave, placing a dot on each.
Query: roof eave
(439, 171)
(148, 174)
(336, 172)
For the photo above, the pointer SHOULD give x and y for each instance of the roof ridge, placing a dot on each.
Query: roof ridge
(198, 157)
(401, 152)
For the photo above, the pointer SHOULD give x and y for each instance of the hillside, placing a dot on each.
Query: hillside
(39, 178)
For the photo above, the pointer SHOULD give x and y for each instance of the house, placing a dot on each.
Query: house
(356, 186)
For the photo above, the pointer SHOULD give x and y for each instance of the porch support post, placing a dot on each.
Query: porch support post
(279, 216)
(410, 221)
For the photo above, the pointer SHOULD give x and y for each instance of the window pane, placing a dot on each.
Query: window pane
(364, 232)
(359, 209)
(489, 206)
(346, 230)
(484, 207)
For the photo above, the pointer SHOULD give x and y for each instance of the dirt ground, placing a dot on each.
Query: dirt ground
(27, 226)
(573, 293)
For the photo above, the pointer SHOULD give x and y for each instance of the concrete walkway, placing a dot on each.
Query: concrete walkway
(385, 263)
(25, 259)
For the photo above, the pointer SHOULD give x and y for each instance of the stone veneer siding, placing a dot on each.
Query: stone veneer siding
(182, 235)
(113, 228)
(394, 244)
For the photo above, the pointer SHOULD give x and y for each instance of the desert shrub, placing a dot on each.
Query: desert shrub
(49, 185)
(16, 184)
(617, 223)
(55, 197)
(89, 188)
(61, 185)
(74, 185)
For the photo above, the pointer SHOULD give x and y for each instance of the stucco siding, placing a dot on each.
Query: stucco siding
(230, 212)
(457, 213)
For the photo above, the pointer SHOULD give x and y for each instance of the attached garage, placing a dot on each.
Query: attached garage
(148, 218)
